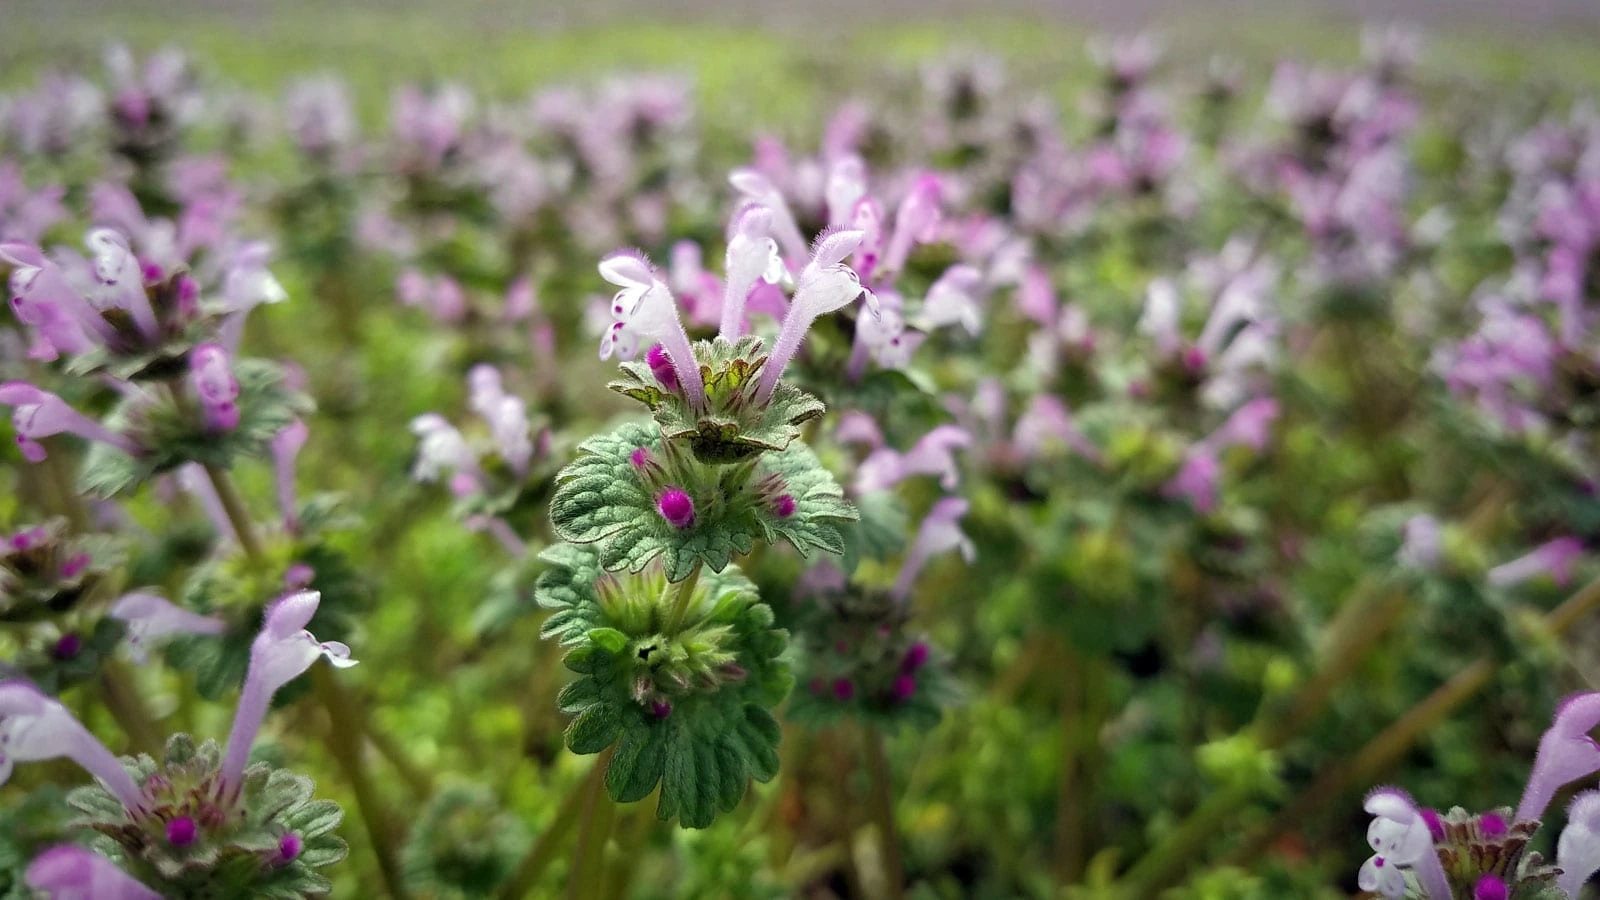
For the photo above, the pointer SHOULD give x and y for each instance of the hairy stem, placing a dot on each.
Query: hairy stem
(882, 806)
(583, 880)
(238, 515)
(544, 849)
(128, 709)
(344, 742)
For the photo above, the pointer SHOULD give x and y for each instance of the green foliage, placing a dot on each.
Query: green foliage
(602, 499)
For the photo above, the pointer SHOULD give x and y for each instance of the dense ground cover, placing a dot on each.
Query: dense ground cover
(1169, 448)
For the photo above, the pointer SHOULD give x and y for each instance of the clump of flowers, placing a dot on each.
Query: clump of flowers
(202, 821)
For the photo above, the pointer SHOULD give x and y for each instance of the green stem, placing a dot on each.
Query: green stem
(128, 709)
(68, 502)
(1069, 831)
(544, 849)
(238, 515)
(584, 879)
(344, 742)
(683, 598)
(891, 867)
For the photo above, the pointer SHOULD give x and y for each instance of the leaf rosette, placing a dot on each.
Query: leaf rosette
(733, 427)
(604, 498)
(686, 704)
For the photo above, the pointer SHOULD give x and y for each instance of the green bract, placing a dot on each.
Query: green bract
(603, 498)
(681, 684)
(238, 848)
(175, 434)
(733, 426)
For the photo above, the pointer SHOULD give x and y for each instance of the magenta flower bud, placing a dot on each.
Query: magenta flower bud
(905, 687)
(916, 656)
(783, 507)
(1489, 887)
(641, 457)
(1194, 359)
(1430, 817)
(75, 565)
(289, 848)
(1492, 825)
(660, 708)
(677, 507)
(298, 576)
(181, 831)
(67, 647)
(844, 689)
(661, 367)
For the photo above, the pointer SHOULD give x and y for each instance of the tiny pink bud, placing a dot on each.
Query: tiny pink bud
(660, 708)
(677, 507)
(152, 273)
(288, 848)
(68, 647)
(1489, 887)
(844, 689)
(916, 656)
(905, 687)
(298, 576)
(181, 831)
(1435, 826)
(661, 367)
(72, 567)
(1492, 824)
(784, 506)
(1194, 359)
(641, 457)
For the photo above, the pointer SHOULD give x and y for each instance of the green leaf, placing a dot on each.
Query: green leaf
(608, 639)
(593, 730)
(315, 819)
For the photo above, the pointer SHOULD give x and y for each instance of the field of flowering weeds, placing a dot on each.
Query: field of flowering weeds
(628, 466)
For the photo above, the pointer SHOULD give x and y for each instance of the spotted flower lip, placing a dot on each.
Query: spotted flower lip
(645, 312)
(1400, 837)
(40, 414)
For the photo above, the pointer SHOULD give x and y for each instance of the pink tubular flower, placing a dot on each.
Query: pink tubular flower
(916, 221)
(69, 871)
(932, 454)
(752, 259)
(285, 448)
(215, 385)
(758, 189)
(1557, 558)
(1566, 753)
(676, 506)
(1048, 420)
(643, 310)
(282, 652)
(40, 414)
(1578, 848)
(34, 727)
(825, 285)
(1400, 837)
(940, 532)
(149, 617)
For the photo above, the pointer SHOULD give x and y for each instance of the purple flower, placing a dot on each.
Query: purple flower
(955, 299)
(932, 454)
(440, 449)
(181, 831)
(661, 367)
(784, 506)
(1421, 543)
(149, 617)
(940, 532)
(915, 221)
(1557, 558)
(506, 414)
(1197, 478)
(282, 652)
(39, 414)
(676, 506)
(758, 189)
(1048, 420)
(1400, 838)
(752, 259)
(1578, 848)
(644, 311)
(1566, 753)
(34, 728)
(903, 689)
(826, 284)
(69, 871)
(916, 656)
(286, 446)
(215, 385)
(1489, 887)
